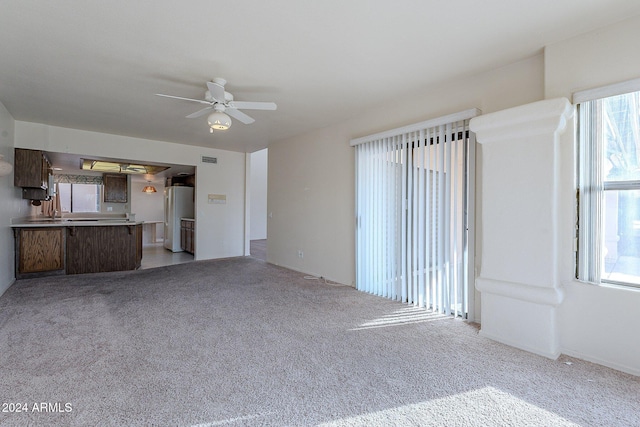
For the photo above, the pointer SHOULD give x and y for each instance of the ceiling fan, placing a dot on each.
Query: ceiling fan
(223, 106)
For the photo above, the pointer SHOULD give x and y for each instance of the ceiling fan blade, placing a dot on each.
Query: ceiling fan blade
(237, 114)
(184, 99)
(248, 105)
(217, 91)
(199, 113)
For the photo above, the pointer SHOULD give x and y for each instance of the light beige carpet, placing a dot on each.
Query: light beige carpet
(241, 342)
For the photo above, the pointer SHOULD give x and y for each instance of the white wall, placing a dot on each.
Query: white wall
(597, 323)
(148, 207)
(219, 227)
(518, 277)
(12, 204)
(310, 200)
(311, 177)
(258, 203)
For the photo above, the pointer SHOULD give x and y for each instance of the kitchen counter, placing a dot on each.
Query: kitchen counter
(72, 222)
(45, 246)
(75, 220)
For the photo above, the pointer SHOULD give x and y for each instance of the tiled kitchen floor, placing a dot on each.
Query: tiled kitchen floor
(155, 255)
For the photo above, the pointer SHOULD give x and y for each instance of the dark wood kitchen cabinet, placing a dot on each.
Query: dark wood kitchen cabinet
(40, 250)
(187, 235)
(32, 170)
(104, 248)
(69, 249)
(115, 187)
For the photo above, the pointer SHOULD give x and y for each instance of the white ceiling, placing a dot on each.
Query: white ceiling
(96, 65)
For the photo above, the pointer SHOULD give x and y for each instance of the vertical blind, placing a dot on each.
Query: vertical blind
(414, 212)
(590, 195)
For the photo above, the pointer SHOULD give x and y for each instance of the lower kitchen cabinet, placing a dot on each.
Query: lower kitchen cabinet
(40, 250)
(68, 249)
(187, 235)
(103, 248)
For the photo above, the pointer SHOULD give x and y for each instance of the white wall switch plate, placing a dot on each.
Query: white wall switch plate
(217, 199)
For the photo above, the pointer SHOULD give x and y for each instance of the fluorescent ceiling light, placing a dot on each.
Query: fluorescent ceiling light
(115, 167)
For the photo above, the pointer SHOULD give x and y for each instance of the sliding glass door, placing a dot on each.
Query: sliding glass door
(414, 210)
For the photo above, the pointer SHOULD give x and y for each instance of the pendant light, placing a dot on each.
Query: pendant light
(149, 188)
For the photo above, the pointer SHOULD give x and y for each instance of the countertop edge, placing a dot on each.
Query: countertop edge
(107, 223)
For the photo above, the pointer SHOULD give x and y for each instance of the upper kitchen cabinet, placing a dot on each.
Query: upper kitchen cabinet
(115, 188)
(32, 170)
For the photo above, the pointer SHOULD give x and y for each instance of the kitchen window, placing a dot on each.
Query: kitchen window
(609, 185)
(79, 197)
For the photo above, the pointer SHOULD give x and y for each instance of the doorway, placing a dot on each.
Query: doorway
(258, 204)
(414, 212)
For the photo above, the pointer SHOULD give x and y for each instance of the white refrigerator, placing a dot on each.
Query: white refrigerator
(178, 203)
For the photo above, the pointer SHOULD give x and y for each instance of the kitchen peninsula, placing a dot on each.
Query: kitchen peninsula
(76, 244)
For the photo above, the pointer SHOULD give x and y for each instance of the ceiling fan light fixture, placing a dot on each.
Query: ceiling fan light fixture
(218, 99)
(219, 121)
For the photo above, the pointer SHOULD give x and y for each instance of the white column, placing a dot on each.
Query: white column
(518, 279)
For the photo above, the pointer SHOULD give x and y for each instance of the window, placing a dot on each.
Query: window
(79, 197)
(609, 190)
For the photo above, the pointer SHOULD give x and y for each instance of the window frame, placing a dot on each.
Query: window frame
(98, 197)
(590, 225)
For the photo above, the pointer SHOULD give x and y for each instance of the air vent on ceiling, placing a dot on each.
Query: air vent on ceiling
(207, 159)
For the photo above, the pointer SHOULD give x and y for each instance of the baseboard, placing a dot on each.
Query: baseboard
(4, 289)
(307, 273)
(608, 364)
(552, 356)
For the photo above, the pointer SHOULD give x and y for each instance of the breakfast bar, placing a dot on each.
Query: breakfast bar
(76, 245)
